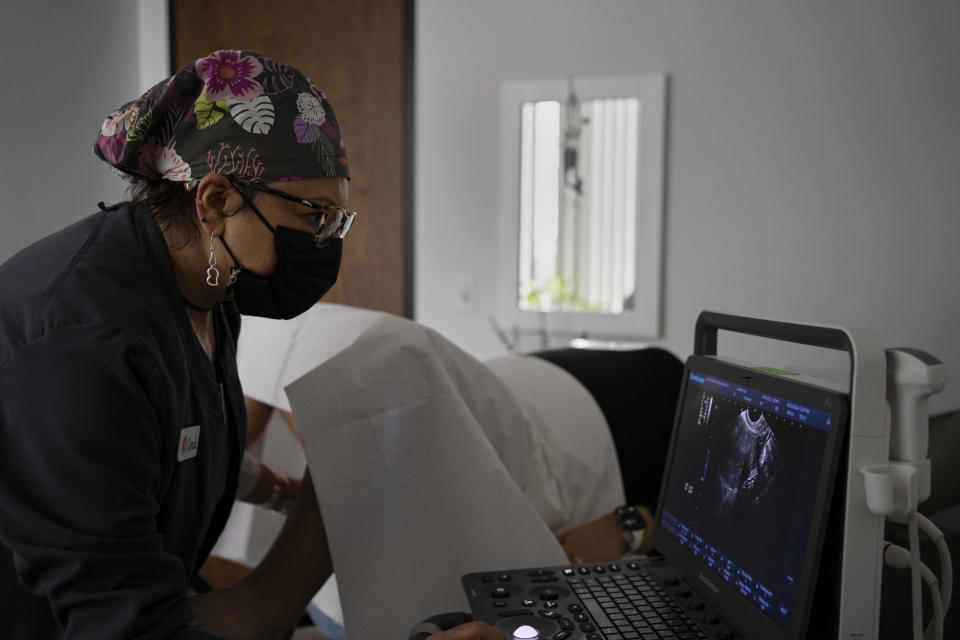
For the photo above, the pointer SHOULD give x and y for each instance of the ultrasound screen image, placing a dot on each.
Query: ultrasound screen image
(742, 487)
(749, 474)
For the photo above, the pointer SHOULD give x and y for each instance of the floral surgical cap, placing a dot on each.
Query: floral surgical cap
(233, 113)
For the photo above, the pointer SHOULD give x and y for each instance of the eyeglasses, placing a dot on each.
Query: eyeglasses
(334, 222)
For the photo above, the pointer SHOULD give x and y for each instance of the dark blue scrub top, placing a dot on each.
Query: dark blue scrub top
(101, 526)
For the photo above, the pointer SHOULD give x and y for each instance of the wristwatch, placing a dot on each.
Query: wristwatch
(632, 526)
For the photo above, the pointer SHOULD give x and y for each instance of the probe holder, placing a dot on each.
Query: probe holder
(894, 490)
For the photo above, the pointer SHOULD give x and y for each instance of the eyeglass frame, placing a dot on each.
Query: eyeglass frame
(344, 219)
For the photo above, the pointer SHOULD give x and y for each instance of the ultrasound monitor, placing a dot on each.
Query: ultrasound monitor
(747, 490)
(740, 525)
(756, 458)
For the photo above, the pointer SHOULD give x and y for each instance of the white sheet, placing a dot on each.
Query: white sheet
(578, 459)
(409, 441)
(273, 353)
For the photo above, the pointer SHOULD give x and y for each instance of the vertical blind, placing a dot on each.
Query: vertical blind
(578, 245)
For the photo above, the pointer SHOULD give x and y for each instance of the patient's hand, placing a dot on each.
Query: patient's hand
(601, 540)
(596, 541)
(469, 631)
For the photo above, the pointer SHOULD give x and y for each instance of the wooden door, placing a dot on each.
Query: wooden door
(359, 52)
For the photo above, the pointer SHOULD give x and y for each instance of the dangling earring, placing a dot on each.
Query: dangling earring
(213, 274)
(234, 272)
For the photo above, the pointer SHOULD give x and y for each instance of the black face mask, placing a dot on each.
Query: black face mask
(304, 273)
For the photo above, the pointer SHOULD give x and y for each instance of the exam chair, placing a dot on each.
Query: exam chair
(637, 392)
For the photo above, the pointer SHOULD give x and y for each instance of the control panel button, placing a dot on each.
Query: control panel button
(528, 603)
(499, 604)
(553, 615)
(569, 572)
(583, 570)
(561, 635)
(574, 608)
(514, 613)
(500, 592)
(487, 578)
(614, 567)
(549, 594)
(525, 632)
(505, 577)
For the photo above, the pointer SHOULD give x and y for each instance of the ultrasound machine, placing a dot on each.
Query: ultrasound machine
(770, 519)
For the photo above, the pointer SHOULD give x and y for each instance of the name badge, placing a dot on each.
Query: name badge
(189, 441)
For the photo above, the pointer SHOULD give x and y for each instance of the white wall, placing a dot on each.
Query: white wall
(813, 168)
(67, 65)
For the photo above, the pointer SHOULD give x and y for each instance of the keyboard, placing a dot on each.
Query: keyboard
(634, 600)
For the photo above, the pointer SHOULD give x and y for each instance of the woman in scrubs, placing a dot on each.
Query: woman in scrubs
(121, 416)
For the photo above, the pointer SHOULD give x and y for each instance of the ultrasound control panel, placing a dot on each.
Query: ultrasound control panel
(643, 599)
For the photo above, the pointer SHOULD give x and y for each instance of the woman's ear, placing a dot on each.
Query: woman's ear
(214, 203)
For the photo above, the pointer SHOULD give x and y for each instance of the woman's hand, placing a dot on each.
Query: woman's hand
(238, 613)
(469, 631)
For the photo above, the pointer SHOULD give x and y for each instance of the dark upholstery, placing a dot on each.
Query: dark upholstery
(637, 393)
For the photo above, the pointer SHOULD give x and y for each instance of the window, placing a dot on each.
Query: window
(581, 205)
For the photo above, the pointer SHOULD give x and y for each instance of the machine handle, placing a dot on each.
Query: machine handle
(709, 322)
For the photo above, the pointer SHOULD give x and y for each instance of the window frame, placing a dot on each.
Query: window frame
(644, 319)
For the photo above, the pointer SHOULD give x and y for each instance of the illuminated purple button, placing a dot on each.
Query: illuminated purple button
(526, 632)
